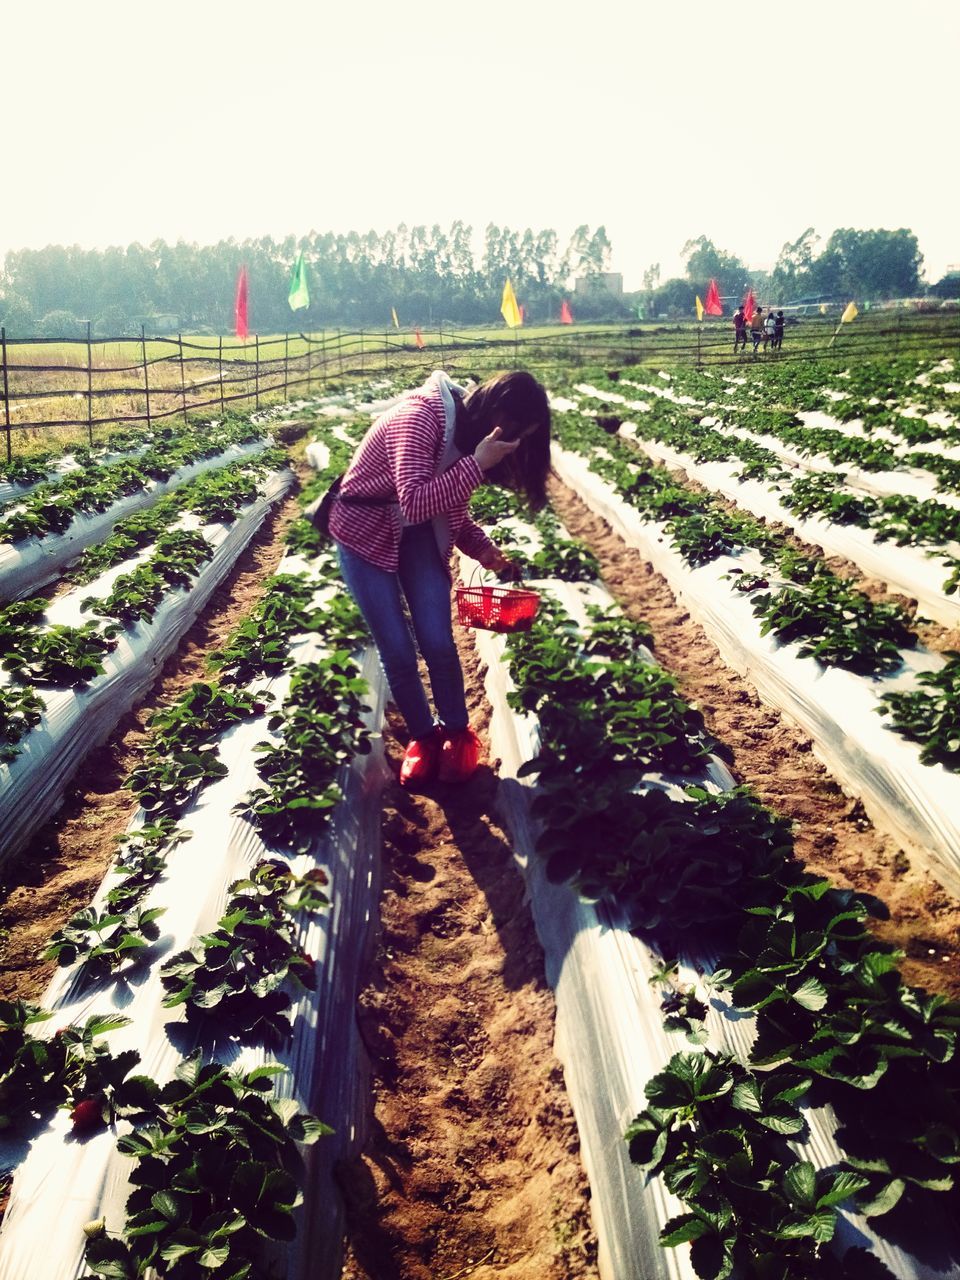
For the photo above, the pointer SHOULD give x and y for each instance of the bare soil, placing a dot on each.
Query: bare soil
(59, 872)
(834, 837)
(472, 1165)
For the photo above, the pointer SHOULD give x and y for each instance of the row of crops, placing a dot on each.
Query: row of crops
(201, 1022)
(759, 1093)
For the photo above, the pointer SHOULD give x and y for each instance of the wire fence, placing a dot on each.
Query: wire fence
(85, 385)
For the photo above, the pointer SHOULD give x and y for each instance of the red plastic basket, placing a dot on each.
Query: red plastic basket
(497, 608)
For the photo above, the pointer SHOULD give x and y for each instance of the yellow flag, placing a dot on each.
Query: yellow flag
(699, 307)
(396, 322)
(850, 313)
(508, 306)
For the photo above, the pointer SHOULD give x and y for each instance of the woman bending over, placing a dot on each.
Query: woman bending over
(400, 511)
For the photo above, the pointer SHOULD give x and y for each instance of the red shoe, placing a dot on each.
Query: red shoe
(420, 760)
(460, 756)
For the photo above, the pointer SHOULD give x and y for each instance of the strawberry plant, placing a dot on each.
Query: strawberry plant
(322, 729)
(216, 1179)
(177, 559)
(63, 656)
(104, 941)
(20, 711)
(836, 624)
(930, 715)
(237, 972)
(67, 1069)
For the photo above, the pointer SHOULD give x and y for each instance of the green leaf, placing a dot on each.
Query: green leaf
(171, 1206)
(883, 1200)
(819, 1225)
(215, 1256)
(841, 1187)
(811, 995)
(800, 1184)
(108, 1257)
(683, 1229)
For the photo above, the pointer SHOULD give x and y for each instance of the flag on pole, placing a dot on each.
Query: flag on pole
(640, 315)
(396, 322)
(418, 338)
(749, 306)
(508, 306)
(299, 295)
(523, 314)
(566, 315)
(699, 306)
(240, 305)
(850, 313)
(824, 308)
(713, 306)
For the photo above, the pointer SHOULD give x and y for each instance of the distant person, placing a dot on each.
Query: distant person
(739, 330)
(778, 331)
(756, 328)
(770, 330)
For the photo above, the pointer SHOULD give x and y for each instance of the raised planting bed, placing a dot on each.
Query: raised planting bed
(838, 708)
(627, 866)
(89, 675)
(258, 844)
(68, 524)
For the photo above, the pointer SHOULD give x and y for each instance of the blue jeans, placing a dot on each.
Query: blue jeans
(423, 579)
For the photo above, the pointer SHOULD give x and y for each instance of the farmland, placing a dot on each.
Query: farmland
(670, 990)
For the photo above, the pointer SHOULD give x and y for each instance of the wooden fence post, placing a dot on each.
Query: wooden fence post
(386, 351)
(220, 370)
(146, 375)
(309, 365)
(442, 361)
(339, 353)
(89, 388)
(361, 351)
(286, 364)
(183, 379)
(6, 391)
(256, 371)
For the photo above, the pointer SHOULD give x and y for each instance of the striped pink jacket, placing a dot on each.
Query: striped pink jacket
(399, 457)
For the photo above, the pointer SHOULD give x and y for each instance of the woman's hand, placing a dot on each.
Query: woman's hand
(492, 449)
(505, 568)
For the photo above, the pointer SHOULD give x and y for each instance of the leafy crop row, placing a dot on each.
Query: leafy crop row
(835, 1021)
(838, 625)
(53, 506)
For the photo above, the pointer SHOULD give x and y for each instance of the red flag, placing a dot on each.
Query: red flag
(712, 305)
(566, 315)
(418, 337)
(240, 304)
(749, 306)
(523, 313)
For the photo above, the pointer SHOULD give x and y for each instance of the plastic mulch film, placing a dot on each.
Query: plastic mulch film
(62, 1181)
(906, 569)
(918, 804)
(609, 1030)
(317, 455)
(77, 720)
(26, 566)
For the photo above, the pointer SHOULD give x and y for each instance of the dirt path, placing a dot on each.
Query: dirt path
(59, 872)
(472, 1167)
(833, 835)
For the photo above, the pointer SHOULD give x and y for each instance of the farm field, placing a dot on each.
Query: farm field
(670, 990)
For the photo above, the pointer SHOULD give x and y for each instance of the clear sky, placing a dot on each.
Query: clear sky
(743, 121)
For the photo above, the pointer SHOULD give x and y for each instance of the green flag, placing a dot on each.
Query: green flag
(640, 315)
(299, 295)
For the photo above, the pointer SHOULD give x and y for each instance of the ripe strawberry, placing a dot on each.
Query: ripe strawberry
(87, 1115)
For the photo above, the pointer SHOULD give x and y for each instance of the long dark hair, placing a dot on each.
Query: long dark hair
(517, 403)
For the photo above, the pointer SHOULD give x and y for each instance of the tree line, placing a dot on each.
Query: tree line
(428, 274)
(865, 265)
